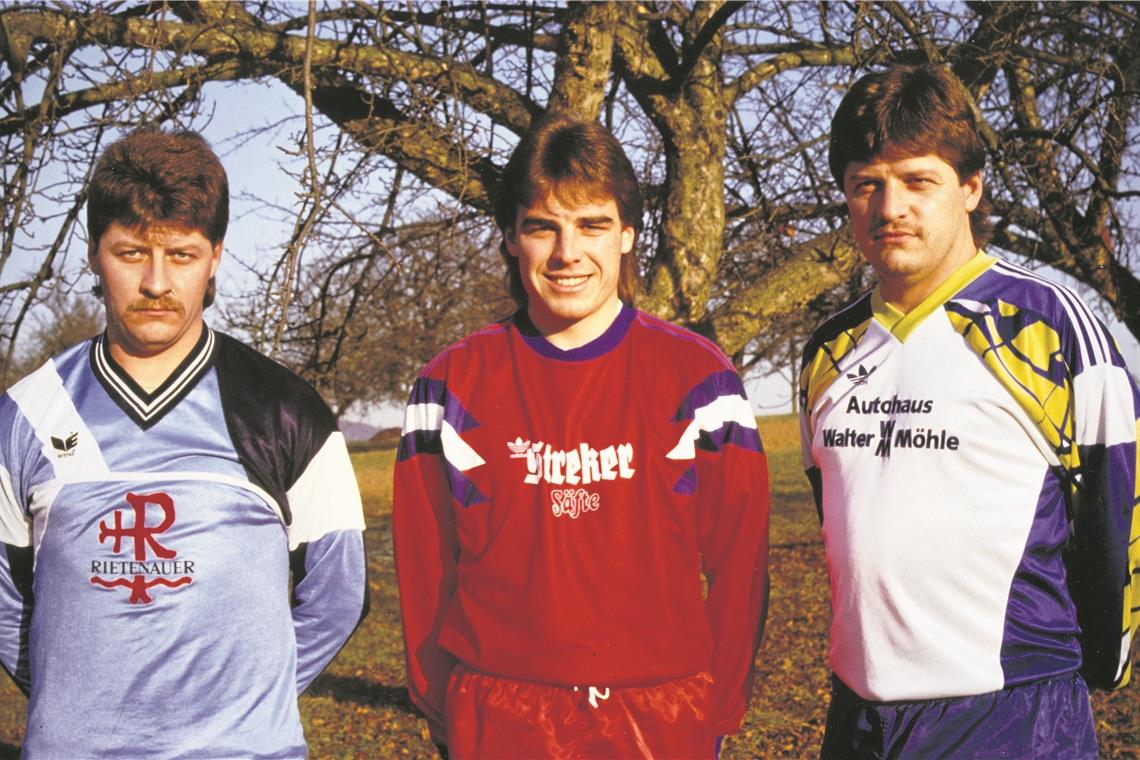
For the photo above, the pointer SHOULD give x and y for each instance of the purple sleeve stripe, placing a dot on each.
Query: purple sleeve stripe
(456, 415)
(419, 442)
(716, 385)
(687, 483)
(427, 390)
(464, 491)
(1036, 292)
(730, 434)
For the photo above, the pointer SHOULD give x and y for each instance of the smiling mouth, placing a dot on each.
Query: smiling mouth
(568, 282)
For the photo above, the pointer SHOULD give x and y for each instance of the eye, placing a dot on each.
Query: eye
(130, 254)
(537, 231)
(182, 256)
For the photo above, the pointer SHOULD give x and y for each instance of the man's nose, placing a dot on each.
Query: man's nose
(156, 278)
(567, 247)
(892, 202)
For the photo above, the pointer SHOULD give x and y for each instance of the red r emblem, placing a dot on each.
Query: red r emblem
(143, 538)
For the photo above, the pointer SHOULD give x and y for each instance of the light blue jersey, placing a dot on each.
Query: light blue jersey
(176, 566)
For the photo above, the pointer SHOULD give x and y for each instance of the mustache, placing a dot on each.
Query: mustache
(889, 228)
(164, 303)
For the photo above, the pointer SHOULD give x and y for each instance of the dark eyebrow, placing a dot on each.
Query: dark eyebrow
(129, 245)
(600, 219)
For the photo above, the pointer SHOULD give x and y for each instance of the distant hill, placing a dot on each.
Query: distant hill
(357, 431)
(387, 438)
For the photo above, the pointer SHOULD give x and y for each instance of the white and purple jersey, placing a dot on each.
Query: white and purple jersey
(975, 467)
(175, 566)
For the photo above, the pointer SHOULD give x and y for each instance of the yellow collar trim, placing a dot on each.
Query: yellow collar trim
(901, 325)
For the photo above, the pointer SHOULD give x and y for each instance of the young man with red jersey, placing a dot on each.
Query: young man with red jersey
(969, 429)
(563, 479)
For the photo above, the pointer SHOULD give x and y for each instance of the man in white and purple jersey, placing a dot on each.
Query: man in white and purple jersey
(969, 429)
(564, 478)
(181, 546)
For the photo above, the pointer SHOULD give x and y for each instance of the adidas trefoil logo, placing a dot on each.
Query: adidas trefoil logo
(862, 376)
(518, 448)
(65, 446)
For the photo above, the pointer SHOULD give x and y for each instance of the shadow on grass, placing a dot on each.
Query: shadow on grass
(362, 692)
(9, 752)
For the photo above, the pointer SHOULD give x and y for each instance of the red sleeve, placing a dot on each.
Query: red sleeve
(427, 551)
(733, 534)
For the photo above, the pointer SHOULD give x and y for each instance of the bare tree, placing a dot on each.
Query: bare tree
(724, 106)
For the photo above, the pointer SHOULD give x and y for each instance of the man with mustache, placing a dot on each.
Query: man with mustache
(969, 429)
(180, 528)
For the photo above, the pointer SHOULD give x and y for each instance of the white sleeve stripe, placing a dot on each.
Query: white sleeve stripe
(326, 497)
(426, 417)
(457, 452)
(712, 416)
(429, 418)
(48, 408)
(1125, 645)
(15, 528)
(1102, 406)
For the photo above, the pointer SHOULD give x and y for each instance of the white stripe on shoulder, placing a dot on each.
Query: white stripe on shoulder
(456, 450)
(1091, 338)
(15, 527)
(1102, 406)
(710, 417)
(65, 439)
(426, 417)
(326, 497)
(429, 418)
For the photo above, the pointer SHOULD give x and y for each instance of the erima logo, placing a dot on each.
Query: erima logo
(862, 376)
(65, 446)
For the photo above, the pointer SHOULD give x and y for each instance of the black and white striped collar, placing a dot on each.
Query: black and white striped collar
(148, 408)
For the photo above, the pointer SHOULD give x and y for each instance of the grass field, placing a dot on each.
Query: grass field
(359, 707)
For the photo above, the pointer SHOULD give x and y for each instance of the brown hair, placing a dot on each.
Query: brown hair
(153, 178)
(574, 161)
(916, 110)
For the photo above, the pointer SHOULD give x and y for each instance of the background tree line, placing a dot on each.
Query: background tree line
(406, 113)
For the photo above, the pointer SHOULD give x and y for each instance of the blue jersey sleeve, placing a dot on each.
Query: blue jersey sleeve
(330, 588)
(15, 545)
(330, 599)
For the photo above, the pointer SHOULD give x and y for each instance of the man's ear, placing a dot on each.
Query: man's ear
(511, 241)
(972, 188)
(628, 236)
(216, 258)
(93, 258)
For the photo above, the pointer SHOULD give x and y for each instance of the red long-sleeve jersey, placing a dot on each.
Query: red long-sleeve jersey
(554, 510)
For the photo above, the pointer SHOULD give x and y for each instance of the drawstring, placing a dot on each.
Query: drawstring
(595, 694)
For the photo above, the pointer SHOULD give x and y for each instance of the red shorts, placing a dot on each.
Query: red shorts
(488, 716)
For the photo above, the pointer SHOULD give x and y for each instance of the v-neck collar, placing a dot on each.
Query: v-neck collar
(599, 346)
(901, 325)
(148, 408)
